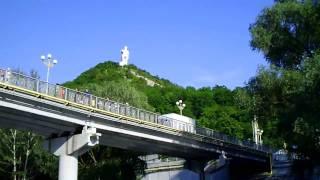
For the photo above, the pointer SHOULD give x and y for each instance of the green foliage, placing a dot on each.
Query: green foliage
(286, 94)
(25, 150)
(223, 119)
(110, 163)
(287, 104)
(122, 92)
(287, 32)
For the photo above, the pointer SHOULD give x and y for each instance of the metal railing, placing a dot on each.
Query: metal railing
(86, 99)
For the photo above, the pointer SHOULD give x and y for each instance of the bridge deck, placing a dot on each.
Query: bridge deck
(60, 111)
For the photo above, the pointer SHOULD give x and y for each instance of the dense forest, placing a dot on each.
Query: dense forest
(284, 95)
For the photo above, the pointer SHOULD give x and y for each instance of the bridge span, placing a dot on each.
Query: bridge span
(74, 121)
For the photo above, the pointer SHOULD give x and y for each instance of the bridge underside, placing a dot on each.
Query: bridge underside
(52, 119)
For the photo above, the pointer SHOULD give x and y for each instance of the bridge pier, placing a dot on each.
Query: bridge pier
(69, 148)
(68, 167)
(197, 167)
(217, 168)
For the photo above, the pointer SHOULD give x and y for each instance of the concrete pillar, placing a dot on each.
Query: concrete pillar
(215, 169)
(196, 166)
(69, 148)
(68, 167)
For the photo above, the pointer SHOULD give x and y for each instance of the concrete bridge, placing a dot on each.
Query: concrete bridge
(73, 122)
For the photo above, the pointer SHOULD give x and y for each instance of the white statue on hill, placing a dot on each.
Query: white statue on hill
(124, 56)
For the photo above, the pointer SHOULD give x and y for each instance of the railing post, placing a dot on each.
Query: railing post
(8, 76)
(126, 111)
(90, 100)
(5, 76)
(17, 79)
(47, 88)
(56, 90)
(37, 85)
(66, 94)
(23, 82)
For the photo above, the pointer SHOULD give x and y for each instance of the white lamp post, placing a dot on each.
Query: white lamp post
(180, 105)
(257, 132)
(49, 62)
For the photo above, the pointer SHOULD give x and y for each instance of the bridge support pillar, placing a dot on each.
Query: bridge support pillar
(208, 170)
(197, 167)
(68, 167)
(217, 169)
(69, 148)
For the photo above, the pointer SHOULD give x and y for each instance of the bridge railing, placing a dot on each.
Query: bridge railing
(87, 99)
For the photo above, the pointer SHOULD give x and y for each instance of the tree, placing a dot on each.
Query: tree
(22, 156)
(110, 163)
(288, 105)
(287, 92)
(287, 33)
(223, 119)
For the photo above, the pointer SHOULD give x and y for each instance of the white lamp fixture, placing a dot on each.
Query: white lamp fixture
(49, 62)
(180, 105)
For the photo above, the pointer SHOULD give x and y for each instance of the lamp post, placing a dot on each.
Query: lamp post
(49, 62)
(180, 105)
(257, 132)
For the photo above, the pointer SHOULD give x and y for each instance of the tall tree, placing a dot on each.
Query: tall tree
(287, 92)
(287, 32)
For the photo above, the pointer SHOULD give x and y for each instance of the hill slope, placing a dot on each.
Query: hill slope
(127, 84)
(215, 107)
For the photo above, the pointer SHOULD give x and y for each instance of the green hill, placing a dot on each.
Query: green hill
(111, 71)
(215, 107)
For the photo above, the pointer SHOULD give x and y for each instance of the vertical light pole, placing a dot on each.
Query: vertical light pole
(180, 105)
(254, 129)
(49, 62)
(260, 131)
(257, 132)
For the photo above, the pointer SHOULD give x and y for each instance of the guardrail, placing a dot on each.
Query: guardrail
(88, 100)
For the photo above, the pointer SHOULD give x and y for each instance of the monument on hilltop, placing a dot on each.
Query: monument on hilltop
(124, 56)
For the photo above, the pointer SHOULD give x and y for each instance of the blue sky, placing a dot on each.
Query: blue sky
(190, 42)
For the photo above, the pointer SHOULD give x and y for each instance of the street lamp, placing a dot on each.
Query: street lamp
(257, 132)
(49, 62)
(180, 105)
